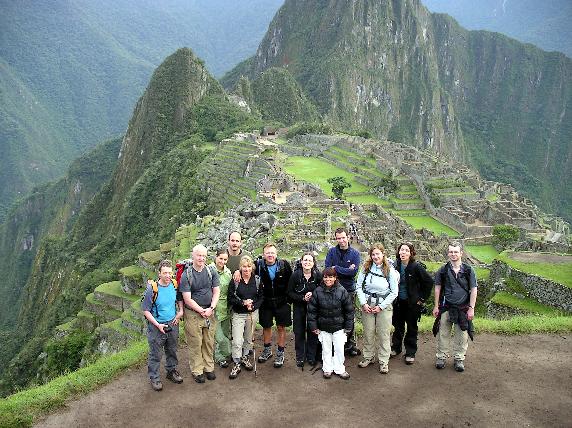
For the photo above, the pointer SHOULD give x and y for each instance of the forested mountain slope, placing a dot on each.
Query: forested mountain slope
(71, 71)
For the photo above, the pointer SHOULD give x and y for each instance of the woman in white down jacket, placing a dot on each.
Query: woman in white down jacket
(377, 287)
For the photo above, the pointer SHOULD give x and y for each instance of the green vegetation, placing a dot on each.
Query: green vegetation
(485, 253)
(557, 272)
(525, 304)
(64, 354)
(309, 128)
(504, 235)
(339, 184)
(318, 171)
(23, 408)
(278, 96)
(528, 324)
(429, 223)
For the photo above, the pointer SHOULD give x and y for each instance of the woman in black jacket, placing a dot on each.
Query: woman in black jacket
(331, 317)
(415, 286)
(244, 297)
(302, 284)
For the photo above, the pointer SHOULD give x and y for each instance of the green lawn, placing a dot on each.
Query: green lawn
(318, 171)
(367, 200)
(558, 272)
(429, 223)
(529, 305)
(485, 253)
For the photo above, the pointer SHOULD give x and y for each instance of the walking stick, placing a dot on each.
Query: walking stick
(253, 328)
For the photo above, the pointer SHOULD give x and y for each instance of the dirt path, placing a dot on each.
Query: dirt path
(510, 381)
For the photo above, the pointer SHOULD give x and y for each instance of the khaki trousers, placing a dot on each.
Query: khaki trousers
(243, 326)
(376, 334)
(200, 339)
(460, 340)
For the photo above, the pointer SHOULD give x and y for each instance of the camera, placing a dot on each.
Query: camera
(167, 328)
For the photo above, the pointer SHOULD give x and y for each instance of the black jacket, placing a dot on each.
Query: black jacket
(419, 282)
(237, 294)
(331, 309)
(275, 292)
(298, 285)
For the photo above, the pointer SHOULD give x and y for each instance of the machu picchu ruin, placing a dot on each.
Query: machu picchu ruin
(255, 184)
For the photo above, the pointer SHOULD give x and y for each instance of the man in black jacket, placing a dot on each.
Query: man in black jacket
(274, 275)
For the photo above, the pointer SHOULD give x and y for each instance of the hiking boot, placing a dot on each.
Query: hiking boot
(383, 368)
(459, 366)
(440, 363)
(156, 385)
(394, 353)
(409, 360)
(199, 378)
(223, 364)
(234, 371)
(266, 354)
(344, 375)
(246, 363)
(365, 362)
(210, 375)
(327, 375)
(353, 351)
(279, 360)
(299, 363)
(174, 376)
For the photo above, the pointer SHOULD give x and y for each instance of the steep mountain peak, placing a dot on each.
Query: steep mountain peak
(413, 77)
(162, 113)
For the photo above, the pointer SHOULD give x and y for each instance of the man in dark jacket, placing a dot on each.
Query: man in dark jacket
(345, 260)
(274, 275)
(331, 317)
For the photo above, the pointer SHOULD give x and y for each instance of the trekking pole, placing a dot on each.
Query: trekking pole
(253, 328)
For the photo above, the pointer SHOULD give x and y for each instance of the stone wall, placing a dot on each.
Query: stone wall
(543, 290)
(503, 312)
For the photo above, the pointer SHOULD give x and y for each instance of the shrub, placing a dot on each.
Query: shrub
(504, 235)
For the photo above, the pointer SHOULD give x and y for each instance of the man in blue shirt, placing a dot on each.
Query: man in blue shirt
(345, 260)
(163, 312)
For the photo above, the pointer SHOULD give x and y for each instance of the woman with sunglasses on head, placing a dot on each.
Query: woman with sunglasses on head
(415, 286)
(376, 290)
(302, 284)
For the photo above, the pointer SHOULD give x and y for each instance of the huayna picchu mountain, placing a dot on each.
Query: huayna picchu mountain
(410, 76)
(148, 191)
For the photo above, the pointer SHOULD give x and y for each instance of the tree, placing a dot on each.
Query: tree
(338, 186)
(505, 235)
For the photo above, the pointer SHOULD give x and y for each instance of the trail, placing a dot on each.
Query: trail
(510, 381)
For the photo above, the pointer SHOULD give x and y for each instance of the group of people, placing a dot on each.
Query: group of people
(223, 302)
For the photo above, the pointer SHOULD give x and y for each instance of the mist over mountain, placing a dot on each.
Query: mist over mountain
(71, 71)
(545, 24)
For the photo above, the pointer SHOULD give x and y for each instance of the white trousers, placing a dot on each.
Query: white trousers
(336, 363)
